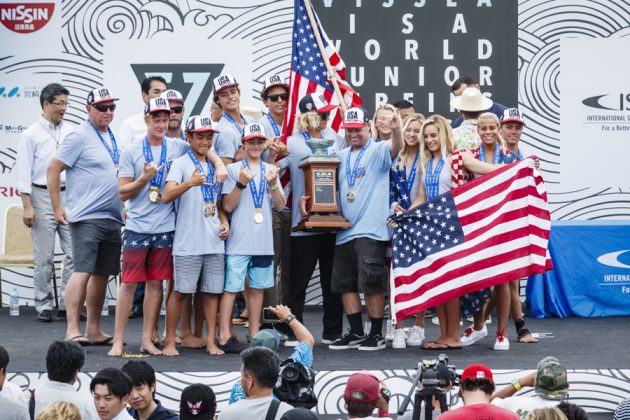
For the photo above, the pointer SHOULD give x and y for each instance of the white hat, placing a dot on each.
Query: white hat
(512, 115)
(271, 81)
(199, 124)
(471, 100)
(223, 81)
(100, 94)
(355, 118)
(253, 131)
(156, 105)
(173, 95)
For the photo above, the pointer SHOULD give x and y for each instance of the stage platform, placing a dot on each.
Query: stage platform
(595, 350)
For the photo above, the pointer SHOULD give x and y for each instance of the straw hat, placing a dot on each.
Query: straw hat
(471, 100)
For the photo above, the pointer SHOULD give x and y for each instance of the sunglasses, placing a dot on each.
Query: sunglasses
(104, 108)
(274, 98)
(177, 109)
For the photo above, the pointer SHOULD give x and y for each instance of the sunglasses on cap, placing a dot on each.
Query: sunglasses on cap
(177, 109)
(274, 98)
(104, 108)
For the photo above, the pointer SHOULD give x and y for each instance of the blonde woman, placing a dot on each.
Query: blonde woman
(436, 149)
(404, 177)
(547, 413)
(60, 410)
(380, 127)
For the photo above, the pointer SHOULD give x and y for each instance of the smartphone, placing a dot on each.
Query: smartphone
(269, 316)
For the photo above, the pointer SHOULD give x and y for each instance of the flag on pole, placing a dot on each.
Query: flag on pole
(308, 70)
(489, 231)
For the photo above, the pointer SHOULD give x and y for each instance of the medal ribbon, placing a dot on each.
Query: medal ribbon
(156, 181)
(113, 151)
(432, 178)
(207, 191)
(412, 174)
(274, 125)
(497, 154)
(239, 129)
(351, 175)
(258, 194)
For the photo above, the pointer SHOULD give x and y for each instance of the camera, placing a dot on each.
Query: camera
(434, 373)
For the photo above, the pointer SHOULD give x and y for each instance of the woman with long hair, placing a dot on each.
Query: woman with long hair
(404, 178)
(380, 128)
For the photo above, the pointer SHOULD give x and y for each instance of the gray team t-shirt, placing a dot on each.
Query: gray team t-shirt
(195, 234)
(144, 216)
(91, 179)
(228, 140)
(246, 236)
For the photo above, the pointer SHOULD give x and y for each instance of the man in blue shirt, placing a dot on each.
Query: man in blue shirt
(90, 157)
(359, 263)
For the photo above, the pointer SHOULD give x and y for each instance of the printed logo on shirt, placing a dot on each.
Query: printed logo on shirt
(24, 18)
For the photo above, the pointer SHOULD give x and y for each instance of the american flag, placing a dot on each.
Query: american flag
(308, 71)
(489, 231)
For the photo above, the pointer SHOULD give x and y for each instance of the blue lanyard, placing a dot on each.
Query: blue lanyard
(497, 154)
(183, 135)
(156, 181)
(207, 191)
(113, 151)
(352, 175)
(239, 129)
(432, 178)
(306, 135)
(274, 125)
(412, 174)
(519, 155)
(257, 193)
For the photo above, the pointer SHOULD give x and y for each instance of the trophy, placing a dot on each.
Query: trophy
(320, 182)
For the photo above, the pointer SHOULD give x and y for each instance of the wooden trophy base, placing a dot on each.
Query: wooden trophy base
(322, 223)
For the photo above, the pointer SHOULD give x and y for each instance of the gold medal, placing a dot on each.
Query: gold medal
(209, 210)
(154, 196)
(258, 217)
(350, 196)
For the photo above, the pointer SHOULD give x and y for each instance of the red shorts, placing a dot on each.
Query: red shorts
(147, 257)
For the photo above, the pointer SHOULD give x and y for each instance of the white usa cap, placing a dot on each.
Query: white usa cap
(173, 95)
(156, 105)
(253, 131)
(223, 81)
(271, 81)
(199, 124)
(100, 94)
(512, 115)
(355, 118)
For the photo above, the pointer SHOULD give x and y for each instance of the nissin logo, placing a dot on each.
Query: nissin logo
(24, 18)
(609, 102)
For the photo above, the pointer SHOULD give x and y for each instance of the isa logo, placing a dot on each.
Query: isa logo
(24, 18)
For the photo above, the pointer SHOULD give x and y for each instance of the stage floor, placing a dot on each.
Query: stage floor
(580, 343)
(595, 350)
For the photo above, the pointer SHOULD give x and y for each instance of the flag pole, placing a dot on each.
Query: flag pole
(320, 44)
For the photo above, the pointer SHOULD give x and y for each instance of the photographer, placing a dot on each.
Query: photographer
(365, 392)
(443, 377)
(302, 353)
(476, 389)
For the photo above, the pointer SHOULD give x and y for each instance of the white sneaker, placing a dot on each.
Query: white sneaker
(415, 336)
(391, 327)
(502, 343)
(471, 336)
(400, 339)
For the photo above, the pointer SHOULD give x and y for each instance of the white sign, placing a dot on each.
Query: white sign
(594, 113)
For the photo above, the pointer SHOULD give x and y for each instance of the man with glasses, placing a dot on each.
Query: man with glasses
(90, 157)
(37, 146)
(176, 103)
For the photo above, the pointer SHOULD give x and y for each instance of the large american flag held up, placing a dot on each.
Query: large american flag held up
(489, 231)
(308, 71)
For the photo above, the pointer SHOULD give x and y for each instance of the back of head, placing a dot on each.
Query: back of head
(551, 379)
(63, 360)
(572, 411)
(403, 104)
(60, 410)
(140, 372)
(362, 391)
(118, 382)
(299, 414)
(547, 413)
(477, 377)
(4, 359)
(197, 402)
(263, 364)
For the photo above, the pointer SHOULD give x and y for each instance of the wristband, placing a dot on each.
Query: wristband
(289, 318)
(219, 164)
(384, 414)
(240, 186)
(275, 187)
(517, 386)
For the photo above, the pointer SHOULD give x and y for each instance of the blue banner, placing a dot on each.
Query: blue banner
(591, 277)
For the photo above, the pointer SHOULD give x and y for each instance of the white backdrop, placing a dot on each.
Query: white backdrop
(86, 44)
